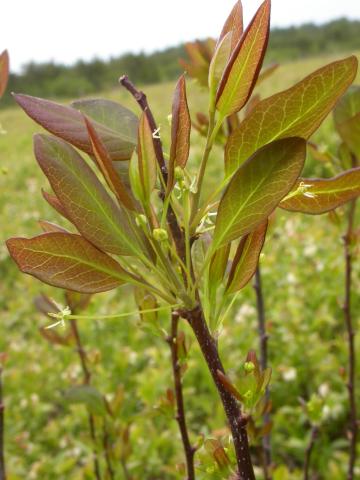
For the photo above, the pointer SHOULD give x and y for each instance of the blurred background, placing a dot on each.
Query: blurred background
(70, 49)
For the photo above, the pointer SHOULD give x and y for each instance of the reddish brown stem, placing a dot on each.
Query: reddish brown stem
(263, 340)
(87, 378)
(351, 340)
(189, 450)
(141, 99)
(2, 448)
(197, 320)
(237, 421)
(109, 467)
(309, 450)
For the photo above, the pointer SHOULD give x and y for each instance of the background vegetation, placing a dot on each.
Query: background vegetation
(83, 78)
(46, 436)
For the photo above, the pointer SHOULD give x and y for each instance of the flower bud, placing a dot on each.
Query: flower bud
(160, 234)
(249, 367)
(141, 220)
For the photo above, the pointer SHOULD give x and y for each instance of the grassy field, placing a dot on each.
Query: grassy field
(47, 438)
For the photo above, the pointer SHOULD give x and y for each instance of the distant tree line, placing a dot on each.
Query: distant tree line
(85, 78)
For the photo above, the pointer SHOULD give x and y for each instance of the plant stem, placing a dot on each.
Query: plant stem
(141, 99)
(309, 450)
(189, 450)
(2, 448)
(263, 340)
(233, 413)
(109, 467)
(351, 339)
(87, 379)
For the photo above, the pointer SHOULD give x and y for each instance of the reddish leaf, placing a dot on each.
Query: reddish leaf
(113, 123)
(266, 72)
(217, 66)
(347, 119)
(295, 112)
(84, 198)
(246, 259)
(316, 196)
(233, 24)
(54, 202)
(107, 168)
(244, 66)
(229, 386)
(4, 71)
(51, 227)
(67, 261)
(180, 130)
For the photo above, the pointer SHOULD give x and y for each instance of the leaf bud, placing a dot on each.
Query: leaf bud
(160, 234)
(141, 220)
(249, 367)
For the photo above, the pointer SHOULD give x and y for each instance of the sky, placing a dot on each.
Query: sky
(69, 30)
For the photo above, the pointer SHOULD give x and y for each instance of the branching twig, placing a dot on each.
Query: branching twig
(197, 320)
(2, 454)
(87, 378)
(309, 450)
(189, 450)
(351, 340)
(263, 338)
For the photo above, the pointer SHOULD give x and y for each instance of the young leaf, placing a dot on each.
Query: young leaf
(348, 106)
(244, 66)
(113, 123)
(84, 198)
(4, 71)
(107, 168)
(54, 202)
(233, 25)
(246, 259)
(349, 131)
(147, 160)
(316, 196)
(180, 131)
(51, 227)
(257, 188)
(266, 72)
(217, 66)
(295, 112)
(67, 261)
(347, 119)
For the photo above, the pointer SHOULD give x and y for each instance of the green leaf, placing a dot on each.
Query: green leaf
(244, 66)
(257, 188)
(4, 71)
(295, 112)
(87, 395)
(106, 166)
(347, 119)
(67, 261)
(147, 160)
(246, 259)
(84, 198)
(217, 66)
(115, 125)
(234, 25)
(315, 195)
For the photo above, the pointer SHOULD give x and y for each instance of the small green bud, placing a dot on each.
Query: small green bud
(179, 174)
(249, 367)
(141, 220)
(160, 234)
